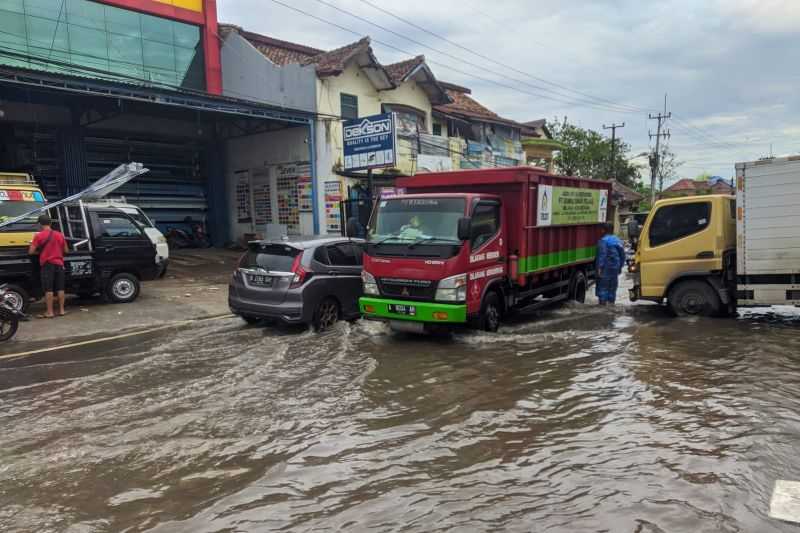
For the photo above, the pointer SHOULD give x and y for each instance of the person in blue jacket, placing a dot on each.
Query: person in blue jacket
(610, 259)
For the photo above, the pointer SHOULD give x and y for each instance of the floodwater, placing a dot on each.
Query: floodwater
(581, 419)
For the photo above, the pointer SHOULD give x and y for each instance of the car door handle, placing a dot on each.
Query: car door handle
(705, 255)
(332, 273)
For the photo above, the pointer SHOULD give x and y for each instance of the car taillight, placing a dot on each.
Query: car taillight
(300, 274)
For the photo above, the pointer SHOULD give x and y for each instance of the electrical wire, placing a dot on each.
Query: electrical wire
(442, 65)
(628, 107)
(466, 62)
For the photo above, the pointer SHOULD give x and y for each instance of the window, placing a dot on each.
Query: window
(117, 226)
(437, 129)
(485, 223)
(344, 254)
(733, 209)
(321, 256)
(271, 257)
(349, 106)
(675, 222)
(136, 46)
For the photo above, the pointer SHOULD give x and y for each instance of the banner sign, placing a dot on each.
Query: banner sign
(563, 206)
(370, 142)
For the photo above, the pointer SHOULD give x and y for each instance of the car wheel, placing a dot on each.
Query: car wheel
(123, 288)
(326, 315)
(694, 298)
(490, 313)
(251, 319)
(18, 298)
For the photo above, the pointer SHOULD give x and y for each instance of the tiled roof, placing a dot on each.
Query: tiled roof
(685, 184)
(279, 52)
(333, 63)
(399, 71)
(536, 123)
(465, 106)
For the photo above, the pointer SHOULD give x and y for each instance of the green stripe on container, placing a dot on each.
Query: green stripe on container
(425, 310)
(536, 263)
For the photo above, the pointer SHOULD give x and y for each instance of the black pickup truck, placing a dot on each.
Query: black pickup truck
(110, 254)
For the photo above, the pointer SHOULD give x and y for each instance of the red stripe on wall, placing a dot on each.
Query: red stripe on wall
(162, 10)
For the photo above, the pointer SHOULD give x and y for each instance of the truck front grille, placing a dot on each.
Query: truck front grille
(410, 289)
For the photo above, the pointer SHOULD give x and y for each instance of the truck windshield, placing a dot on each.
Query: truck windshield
(416, 220)
(11, 209)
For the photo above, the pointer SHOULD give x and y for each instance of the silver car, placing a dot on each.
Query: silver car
(313, 280)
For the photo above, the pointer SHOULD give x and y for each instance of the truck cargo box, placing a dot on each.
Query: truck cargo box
(768, 231)
(553, 220)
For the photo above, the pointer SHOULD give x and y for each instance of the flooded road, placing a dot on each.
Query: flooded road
(582, 419)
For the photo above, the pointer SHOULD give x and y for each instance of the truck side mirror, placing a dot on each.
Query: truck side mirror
(464, 228)
(351, 228)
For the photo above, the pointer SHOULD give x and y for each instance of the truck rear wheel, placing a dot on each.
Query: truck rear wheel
(694, 298)
(489, 319)
(577, 287)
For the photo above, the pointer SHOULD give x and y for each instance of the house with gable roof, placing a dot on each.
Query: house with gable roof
(348, 82)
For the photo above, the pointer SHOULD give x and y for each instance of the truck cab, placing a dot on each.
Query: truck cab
(687, 255)
(430, 258)
(19, 194)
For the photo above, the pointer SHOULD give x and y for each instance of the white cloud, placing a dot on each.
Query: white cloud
(766, 16)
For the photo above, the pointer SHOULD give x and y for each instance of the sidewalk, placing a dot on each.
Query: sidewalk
(196, 286)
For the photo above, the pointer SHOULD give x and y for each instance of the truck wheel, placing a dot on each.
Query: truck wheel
(489, 319)
(694, 298)
(122, 288)
(326, 315)
(18, 297)
(578, 285)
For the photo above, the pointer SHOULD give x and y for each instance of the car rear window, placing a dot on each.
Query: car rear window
(275, 257)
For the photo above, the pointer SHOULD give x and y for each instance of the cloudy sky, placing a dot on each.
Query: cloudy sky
(729, 67)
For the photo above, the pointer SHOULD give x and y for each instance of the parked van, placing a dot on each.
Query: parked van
(147, 225)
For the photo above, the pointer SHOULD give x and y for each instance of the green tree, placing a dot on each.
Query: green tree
(668, 167)
(587, 154)
(703, 176)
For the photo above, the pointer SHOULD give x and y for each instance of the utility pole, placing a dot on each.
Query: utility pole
(655, 157)
(613, 127)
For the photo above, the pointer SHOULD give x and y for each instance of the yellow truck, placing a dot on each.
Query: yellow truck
(708, 255)
(19, 194)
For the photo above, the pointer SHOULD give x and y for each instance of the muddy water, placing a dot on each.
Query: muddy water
(581, 420)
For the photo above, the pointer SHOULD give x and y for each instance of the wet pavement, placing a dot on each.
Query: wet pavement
(580, 419)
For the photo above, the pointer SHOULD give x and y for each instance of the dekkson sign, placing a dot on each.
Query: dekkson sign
(562, 206)
(370, 142)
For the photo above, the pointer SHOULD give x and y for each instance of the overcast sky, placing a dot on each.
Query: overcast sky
(730, 67)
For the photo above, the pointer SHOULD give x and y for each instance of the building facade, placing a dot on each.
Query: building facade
(169, 43)
(336, 85)
(89, 84)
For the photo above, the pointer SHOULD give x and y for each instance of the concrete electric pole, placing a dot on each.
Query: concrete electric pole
(613, 127)
(655, 157)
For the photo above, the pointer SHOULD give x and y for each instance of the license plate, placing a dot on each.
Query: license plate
(261, 281)
(399, 309)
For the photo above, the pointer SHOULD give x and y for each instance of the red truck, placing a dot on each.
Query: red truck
(468, 247)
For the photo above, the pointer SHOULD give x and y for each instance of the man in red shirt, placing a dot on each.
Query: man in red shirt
(51, 247)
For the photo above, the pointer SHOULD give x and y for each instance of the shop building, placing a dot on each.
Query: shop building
(88, 84)
(345, 83)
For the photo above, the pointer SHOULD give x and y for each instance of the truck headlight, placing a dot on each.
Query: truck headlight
(370, 285)
(452, 289)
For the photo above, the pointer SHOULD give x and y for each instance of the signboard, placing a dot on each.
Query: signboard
(563, 206)
(434, 163)
(370, 142)
(333, 199)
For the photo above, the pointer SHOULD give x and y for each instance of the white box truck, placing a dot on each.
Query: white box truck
(708, 254)
(768, 232)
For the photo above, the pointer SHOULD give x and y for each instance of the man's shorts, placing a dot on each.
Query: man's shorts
(52, 277)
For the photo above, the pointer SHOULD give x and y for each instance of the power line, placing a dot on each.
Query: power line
(443, 65)
(655, 158)
(627, 107)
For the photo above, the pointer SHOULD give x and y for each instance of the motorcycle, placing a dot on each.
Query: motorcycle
(10, 316)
